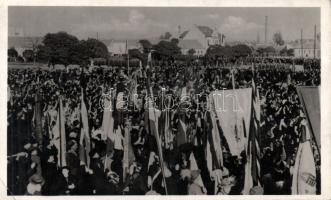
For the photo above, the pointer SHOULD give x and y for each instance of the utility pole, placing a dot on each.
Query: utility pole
(127, 53)
(266, 30)
(315, 41)
(301, 42)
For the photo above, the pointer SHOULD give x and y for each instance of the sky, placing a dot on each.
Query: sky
(238, 24)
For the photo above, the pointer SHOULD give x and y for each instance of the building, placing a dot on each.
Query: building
(23, 43)
(205, 35)
(119, 48)
(187, 45)
(199, 38)
(306, 50)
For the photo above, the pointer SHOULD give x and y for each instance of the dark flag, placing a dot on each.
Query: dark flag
(38, 118)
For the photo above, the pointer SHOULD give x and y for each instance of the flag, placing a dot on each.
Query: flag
(108, 127)
(181, 136)
(214, 153)
(304, 172)
(252, 168)
(84, 141)
(140, 69)
(168, 138)
(149, 60)
(233, 111)
(310, 101)
(153, 115)
(59, 135)
(128, 156)
(289, 80)
(38, 118)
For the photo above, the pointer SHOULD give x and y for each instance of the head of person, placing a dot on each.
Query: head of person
(65, 172)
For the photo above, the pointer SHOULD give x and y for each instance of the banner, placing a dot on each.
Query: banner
(38, 119)
(310, 100)
(233, 110)
(59, 135)
(85, 144)
(304, 172)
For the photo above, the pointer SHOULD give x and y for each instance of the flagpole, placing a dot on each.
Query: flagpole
(149, 90)
(128, 59)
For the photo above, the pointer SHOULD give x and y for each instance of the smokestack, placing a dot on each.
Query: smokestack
(301, 41)
(266, 30)
(258, 38)
(315, 41)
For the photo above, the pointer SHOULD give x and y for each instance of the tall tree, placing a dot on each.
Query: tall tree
(278, 38)
(166, 50)
(60, 48)
(241, 50)
(28, 55)
(90, 49)
(12, 53)
(191, 52)
(146, 45)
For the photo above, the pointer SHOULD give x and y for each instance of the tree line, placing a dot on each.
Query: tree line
(65, 49)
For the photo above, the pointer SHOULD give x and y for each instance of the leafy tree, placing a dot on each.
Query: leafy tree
(166, 50)
(61, 48)
(191, 52)
(175, 41)
(42, 54)
(241, 50)
(290, 52)
(19, 59)
(135, 53)
(146, 45)
(89, 49)
(283, 52)
(12, 53)
(166, 36)
(218, 51)
(94, 48)
(28, 55)
(278, 38)
(266, 50)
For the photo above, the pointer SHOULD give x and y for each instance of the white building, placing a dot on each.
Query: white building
(205, 35)
(119, 47)
(199, 38)
(187, 45)
(306, 50)
(23, 43)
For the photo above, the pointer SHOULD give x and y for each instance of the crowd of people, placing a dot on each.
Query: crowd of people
(181, 169)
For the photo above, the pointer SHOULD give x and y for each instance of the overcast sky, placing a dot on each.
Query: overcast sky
(135, 22)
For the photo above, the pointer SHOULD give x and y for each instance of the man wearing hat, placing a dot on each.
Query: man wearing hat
(35, 184)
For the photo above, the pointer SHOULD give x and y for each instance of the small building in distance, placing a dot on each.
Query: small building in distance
(307, 49)
(187, 45)
(120, 47)
(21, 43)
(199, 38)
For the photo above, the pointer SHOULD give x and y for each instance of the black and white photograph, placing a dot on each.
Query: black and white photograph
(106, 100)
